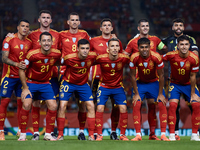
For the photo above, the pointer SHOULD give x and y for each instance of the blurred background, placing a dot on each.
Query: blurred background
(124, 14)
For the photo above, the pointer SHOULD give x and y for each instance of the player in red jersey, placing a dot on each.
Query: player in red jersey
(99, 44)
(12, 51)
(150, 67)
(184, 66)
(75, 80)
(69, 39)
(155, 44)
(111, 85)
(45, 21)
(39, 62)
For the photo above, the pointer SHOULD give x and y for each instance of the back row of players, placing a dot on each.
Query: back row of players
(103, 58)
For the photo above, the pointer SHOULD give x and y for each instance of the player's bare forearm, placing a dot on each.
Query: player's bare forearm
(22, 77)
(193, 82)
(6, 60)
(133, 80)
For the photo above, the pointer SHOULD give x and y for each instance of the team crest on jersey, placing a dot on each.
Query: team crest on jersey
(151, 44)
(26, 47)
(74, 39)
(151, 65)
(21, 46)
(51, 61)
(82, 64)
(46, 60)
(6, 45)
(119, 65)
(182, 64)
(145, 64)
(89, 63)
(187, 65)
(113, 65)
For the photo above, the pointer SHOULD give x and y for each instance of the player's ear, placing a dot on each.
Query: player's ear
(100, 29)
(138, 28)
(68, 22)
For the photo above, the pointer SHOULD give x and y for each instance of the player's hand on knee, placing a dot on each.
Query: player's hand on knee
(194, 97)
(10, 35)
(24, 93)
(136, 97)
(162, 98)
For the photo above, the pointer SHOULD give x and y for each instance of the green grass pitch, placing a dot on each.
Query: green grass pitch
(71, 143)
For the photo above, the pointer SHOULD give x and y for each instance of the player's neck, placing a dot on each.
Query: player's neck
(183, 55)
(43, 29)
(106, 36)
(21, 37)
(113, 58)
(81, 57)
(73, 31)
(176, 35)
(45, 52)
(144, 35)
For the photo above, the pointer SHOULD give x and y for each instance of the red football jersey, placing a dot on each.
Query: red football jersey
(77, 70)
(99, 45)
(181, 67)
(69, 41)
(39, 66)
(112, 71)
(35, 36)
(16, 48)
(132, 46)
(147, 68)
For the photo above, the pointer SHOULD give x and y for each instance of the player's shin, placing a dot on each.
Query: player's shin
(19, 107)
(114, 118)
(61, 125)
(172, 116)
(99, 122)
(123, 122)
(24, 116)
(195, 117)
(162, 116)
(137, 116)
(91, 125)
(82, 119)
(152, 117)
(50, 120)
(3, 110)
(35, 113)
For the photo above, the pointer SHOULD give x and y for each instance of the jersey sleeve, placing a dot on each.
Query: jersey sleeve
(193, 44)
(195, 65)
(121, 47)
(6, 44)
(129, 48)
(133, 61)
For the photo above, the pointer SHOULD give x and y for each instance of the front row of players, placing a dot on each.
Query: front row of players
(184, 66)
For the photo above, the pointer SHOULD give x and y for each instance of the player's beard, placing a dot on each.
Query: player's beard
(178, 33)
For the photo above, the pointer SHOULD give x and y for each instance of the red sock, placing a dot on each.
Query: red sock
(172, 116)
(91, 125)
(162, 116)
(82, 119)
(123, 122)
(136, 116)
(3, 110)
(152, 118)
(99, 122)
(114, 118)
(19, 107)
(61, 125)
(195, 117)
(24, 115)
(35, 112)
(50, 120)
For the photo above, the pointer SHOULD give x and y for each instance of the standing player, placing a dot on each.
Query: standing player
(39, 63)
(171, 43)
(184, 66)
(150, 66)
(13, 50)
(45, 21)
(75, 80)
(155, 44)
(99, 44)
(69, 39)
(110, 84)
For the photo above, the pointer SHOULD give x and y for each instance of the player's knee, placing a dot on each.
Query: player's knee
(122, 108)
(100, 108)
(27, 106)
(90, 105)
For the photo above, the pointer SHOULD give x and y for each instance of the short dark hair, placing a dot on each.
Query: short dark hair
(45, 11)
(182, 38)
(22, 20)
(177, 20)
(73, 13)
(143, 41)
(142, 20)
(83, 41)
(104, 20)
(112, 39)
(45, 33)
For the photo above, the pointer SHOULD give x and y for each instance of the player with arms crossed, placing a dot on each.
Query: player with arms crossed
(110, 84)
(75, 80)
(150, 67)
(39, 63)
(13, 50)
(184, 66)
(99, 44)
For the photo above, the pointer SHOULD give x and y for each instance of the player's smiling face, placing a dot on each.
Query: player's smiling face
(106, 27)
(23, 28)
(183, 46)
(144, 50)
(45, 20)
(83, 50)
(178, 28)
(46, 42)
(113, 48)
(144, 28)
(74, 21)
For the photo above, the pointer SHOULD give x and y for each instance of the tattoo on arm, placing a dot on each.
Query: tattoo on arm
(6, 60)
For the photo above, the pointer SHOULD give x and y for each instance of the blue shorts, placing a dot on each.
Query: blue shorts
(148, 90)
(175, 91)
(8, 85)
(41, 91)
(117, 94)
(67, 89)
(55, 86)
